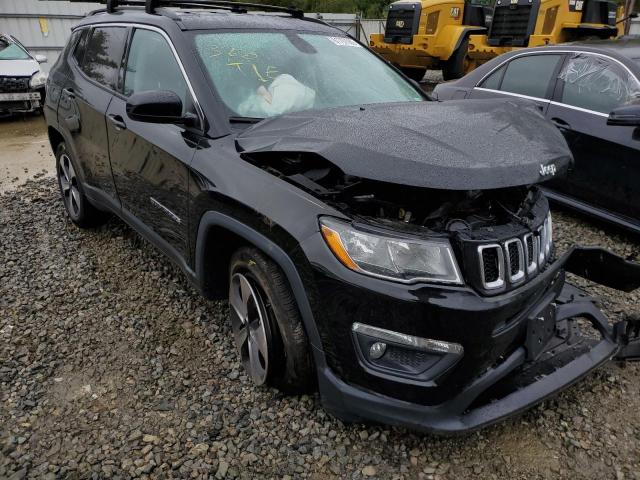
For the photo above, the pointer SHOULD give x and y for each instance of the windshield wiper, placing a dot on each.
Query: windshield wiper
(245, 119)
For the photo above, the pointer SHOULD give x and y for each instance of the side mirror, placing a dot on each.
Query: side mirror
(157, 106)
(40, 58)
(627, 115)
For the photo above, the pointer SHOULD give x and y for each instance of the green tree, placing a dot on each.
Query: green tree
(368, 8)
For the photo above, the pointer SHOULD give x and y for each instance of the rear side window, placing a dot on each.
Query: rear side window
(79, 45)
(103, 55)
(152, 66)
(530, 75)
(596, 83)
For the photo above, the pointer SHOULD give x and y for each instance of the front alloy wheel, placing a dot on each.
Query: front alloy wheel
(266, 323)
(251, 329)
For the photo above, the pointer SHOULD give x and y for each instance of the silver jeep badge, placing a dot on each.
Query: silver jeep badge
(547, 170)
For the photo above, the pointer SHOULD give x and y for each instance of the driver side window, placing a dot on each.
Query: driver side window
(151, 65)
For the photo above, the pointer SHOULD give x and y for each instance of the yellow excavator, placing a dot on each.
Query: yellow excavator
(458, 35)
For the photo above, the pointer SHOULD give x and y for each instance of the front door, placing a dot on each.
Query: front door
(607, 158)
(150, 161)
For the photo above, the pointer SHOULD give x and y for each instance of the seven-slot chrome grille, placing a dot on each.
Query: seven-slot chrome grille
(512, 261)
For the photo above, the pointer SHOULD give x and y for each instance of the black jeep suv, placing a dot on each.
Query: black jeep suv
(392, 252)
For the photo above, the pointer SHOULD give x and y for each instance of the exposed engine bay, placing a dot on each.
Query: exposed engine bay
(405, 207)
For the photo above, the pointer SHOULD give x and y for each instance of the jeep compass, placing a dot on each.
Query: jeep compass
(393, 253)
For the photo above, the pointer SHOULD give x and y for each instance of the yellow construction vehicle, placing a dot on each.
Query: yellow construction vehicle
(533, 23)
(431, 34)
(458, 35)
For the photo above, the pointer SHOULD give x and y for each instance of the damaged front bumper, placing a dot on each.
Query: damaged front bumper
(21, 102)
(558, 351)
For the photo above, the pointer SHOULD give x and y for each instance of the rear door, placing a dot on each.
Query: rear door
(607, 158)
(59, 76)
(531, 77)
(93, 79)
(150, 161)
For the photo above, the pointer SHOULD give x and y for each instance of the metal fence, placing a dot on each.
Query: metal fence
(43, 27)
(352, 24)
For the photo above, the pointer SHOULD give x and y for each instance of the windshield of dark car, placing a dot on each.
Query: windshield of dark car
(263, 74)
(11, 51)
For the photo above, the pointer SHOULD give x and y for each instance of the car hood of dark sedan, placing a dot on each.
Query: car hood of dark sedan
(456, 145)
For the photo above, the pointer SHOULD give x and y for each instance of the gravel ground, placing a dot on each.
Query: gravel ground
(112, 366)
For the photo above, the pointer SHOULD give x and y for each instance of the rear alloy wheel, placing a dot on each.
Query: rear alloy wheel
(69, 186)
(81, 212)
(266, 323)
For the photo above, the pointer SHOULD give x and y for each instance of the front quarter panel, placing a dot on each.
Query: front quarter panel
(221, 180)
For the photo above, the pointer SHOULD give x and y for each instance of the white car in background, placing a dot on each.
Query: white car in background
(22, 81)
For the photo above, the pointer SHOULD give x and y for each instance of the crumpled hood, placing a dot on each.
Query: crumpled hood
(18, 68)
(455, 145)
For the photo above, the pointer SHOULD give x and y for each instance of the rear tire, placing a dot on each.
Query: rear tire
(416, 74)
(267, 326)
(78, 207)
(454, 67)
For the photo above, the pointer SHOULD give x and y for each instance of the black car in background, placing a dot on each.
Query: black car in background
(591, 92)
(364, 248)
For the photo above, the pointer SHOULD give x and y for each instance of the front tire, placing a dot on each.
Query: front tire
(267, 326)
(416, 74)
(454, 68)
(78, 207)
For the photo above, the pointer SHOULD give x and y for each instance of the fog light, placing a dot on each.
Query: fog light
(419, 343)
(403, 358)
(377, 350)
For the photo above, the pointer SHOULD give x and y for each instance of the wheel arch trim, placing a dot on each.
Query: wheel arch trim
(70, 147)
(216, 219)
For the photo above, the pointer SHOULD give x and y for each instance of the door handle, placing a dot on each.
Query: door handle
(69, 93)
(561, 124)
(117, 121)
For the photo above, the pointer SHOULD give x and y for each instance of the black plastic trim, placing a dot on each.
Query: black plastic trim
(217, 219)
(353, 404)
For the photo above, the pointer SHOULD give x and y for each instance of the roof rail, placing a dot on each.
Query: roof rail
(237, 7)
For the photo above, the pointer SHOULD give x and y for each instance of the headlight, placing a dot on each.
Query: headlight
(400, 259)
(546, 240)
(38, 79)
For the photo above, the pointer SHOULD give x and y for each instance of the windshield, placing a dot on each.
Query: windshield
(263, 74)
(11, 51)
